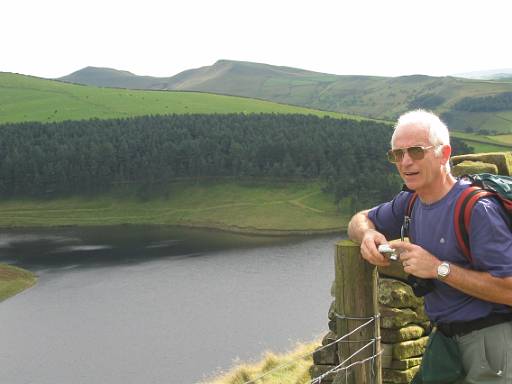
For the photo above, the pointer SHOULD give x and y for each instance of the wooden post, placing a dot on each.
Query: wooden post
(356, 284)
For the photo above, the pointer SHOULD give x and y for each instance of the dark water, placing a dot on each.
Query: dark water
(157, 305)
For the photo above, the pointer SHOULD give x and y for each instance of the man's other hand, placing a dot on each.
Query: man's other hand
(369, 248)
(416, 260)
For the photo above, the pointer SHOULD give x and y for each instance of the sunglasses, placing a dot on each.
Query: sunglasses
(416, 152)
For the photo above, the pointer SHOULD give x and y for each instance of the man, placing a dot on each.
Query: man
(469, 300)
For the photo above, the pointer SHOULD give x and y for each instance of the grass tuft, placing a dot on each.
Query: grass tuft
(13, 280)
(289, 368)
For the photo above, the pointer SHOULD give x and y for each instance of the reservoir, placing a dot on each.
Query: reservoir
(141, 304)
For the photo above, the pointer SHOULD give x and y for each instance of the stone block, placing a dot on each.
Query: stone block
(400, 317)
(318, 370)
(427, 326)
(503, 160)
(329, 338)
(329, 355)
(394, 293)
(409, 332)
(468, 167)
(397, 376)
(332, 325)
(411, 348)
(332, 311)
(422, 315)
(406, 363)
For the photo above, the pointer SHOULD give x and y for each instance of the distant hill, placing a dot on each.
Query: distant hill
(370, 96)
(107, 77)
(26, 98)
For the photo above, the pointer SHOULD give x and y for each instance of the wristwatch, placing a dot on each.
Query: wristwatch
(443, 270)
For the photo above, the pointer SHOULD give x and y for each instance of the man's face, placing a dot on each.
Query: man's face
(419, 175)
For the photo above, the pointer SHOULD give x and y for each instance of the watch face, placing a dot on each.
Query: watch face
(443, 270)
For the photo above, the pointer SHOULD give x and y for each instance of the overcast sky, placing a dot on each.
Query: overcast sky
(53, 38)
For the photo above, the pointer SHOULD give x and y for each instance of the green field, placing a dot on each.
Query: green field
(499, 122)
(504, 139)
(14, 280)
(483, 144)
(25, 98)
(247, 207)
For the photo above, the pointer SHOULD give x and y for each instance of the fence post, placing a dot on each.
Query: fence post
(356, 284)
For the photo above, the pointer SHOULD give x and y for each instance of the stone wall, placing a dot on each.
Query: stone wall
(404, 331)
(498, 163)
(404, 326)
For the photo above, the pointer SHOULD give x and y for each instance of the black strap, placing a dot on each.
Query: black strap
(461, 328)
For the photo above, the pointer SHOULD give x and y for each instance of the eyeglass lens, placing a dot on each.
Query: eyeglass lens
(416, 153)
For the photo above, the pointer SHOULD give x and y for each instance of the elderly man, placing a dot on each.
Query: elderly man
(470, 299)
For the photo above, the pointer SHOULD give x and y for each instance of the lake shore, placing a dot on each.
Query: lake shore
(258, 209)
(14, 280)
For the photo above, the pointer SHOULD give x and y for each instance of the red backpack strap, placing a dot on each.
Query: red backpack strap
(462, 216)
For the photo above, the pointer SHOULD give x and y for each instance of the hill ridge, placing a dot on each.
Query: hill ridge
(374, 97)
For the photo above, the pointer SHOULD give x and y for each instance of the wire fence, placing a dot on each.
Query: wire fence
(346, 364)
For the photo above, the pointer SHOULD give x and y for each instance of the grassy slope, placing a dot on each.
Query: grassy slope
(255, 207)
(14, 280)
(294, 368)
(25, 98)
(376, 97)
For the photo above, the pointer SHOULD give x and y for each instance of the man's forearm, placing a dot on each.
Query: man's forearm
(358, 225)
(481, 285)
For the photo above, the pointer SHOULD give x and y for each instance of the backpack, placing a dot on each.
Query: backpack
(482, 185)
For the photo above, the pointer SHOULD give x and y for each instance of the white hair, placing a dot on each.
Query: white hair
(438, 134)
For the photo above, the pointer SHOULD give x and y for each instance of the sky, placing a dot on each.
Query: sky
(53, 38)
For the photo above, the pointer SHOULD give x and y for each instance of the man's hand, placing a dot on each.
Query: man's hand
(416, 260)
(369, 244)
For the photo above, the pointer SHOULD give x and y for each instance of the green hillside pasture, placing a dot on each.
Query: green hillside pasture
(504, 139)
(499, 122)
(14, 280)
(256, 207)
(483, 144)
(25, 98)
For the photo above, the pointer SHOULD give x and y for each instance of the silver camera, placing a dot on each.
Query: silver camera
(388, 252)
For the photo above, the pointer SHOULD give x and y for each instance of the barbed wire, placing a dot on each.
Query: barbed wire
(339, 367)
(370, 320)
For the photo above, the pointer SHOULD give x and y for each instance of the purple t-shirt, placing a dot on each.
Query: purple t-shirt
(432, 228)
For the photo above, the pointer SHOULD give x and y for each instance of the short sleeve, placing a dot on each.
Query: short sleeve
(491, 238)
(388, 217)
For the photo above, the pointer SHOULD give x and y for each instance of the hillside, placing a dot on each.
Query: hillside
(27, 98)
(375, 97)
(106, 77)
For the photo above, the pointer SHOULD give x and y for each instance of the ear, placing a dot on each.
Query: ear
(446, 152)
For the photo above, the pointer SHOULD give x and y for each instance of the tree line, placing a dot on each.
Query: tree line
(41, 159)
(499, 102)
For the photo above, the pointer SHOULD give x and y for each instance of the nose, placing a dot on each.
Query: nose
(406, 159)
